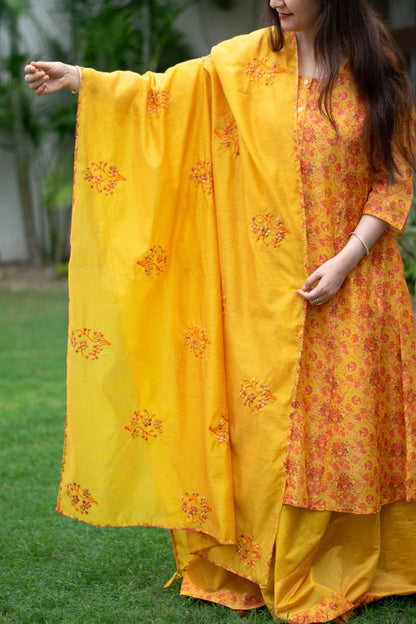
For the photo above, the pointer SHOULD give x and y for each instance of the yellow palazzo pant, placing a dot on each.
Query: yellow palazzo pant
(324, 564)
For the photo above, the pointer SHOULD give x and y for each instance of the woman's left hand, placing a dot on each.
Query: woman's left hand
(325, 282)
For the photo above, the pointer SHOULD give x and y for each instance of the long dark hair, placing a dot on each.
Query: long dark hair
(350, 29)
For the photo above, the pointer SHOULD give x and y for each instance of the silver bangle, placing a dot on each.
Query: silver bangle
(362, 241)
(78, 68)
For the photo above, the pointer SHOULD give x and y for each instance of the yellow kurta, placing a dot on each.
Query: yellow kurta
(188, 245)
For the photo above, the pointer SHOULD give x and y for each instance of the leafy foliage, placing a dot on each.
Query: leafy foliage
(408, 250)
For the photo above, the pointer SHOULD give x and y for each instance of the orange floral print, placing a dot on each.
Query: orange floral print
(326, 612)
(196, 340)
(269, 228)
(256, 395)
(103, 178)
(81, 499)
(228, 136)
(350, 448)
(88, 343)
(248, 549)
(202, 177)
(157, 100)
(264, 71)
(145, 425)
(221, 430)
(226, 597)
(154, 262)
(195, 507)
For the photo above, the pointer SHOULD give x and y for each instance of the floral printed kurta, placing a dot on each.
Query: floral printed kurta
(353, 443)
(192, 362)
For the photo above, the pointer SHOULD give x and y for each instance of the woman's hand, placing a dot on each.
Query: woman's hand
(325, 282)
(49, 77)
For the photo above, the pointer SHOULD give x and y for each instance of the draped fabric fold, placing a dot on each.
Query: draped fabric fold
(183, 281)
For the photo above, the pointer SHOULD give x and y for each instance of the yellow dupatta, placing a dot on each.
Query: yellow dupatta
(188, 246)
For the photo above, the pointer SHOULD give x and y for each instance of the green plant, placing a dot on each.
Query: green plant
(408, 250)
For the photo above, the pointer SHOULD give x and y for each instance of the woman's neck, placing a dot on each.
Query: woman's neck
(307, 65)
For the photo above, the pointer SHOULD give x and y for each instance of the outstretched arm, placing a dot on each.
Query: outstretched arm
(325, 282)
(49, 77)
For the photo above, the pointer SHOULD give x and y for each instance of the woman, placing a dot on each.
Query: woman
(241, 366)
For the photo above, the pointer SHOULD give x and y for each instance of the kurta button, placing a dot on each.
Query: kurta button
(305, 81)
(300, 109)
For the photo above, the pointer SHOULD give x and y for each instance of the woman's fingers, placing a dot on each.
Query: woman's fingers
(39, 85)
(42, 90)
(46, 77)
(325, 282)
(315, 297)
(35, 80)
(34, 77)
(312, 279)
(32, 73)
(315, 289)
(44, 66)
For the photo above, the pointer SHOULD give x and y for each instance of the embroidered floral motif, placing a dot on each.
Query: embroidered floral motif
(221, 429)
(144, 424)
(256, 395)
(201, 175)
(154, 262)
(269, 228)
(195, 507)
(88, 343)
(81, 500)
(157, 100)
(264, 71)
(228, 136)
(196, 340)
(248, 549)
(103, 178)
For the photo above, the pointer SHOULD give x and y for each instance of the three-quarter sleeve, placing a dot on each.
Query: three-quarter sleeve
(389, 201)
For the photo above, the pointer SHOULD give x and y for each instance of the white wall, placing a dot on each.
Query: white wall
(12, 239)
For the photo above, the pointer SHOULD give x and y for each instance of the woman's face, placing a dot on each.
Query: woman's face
(298, 15)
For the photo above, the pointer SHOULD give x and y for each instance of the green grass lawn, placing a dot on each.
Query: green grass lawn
(58, 571)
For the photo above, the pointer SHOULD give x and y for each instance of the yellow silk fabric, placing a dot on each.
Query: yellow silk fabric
(325, 565)
(185, 324)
